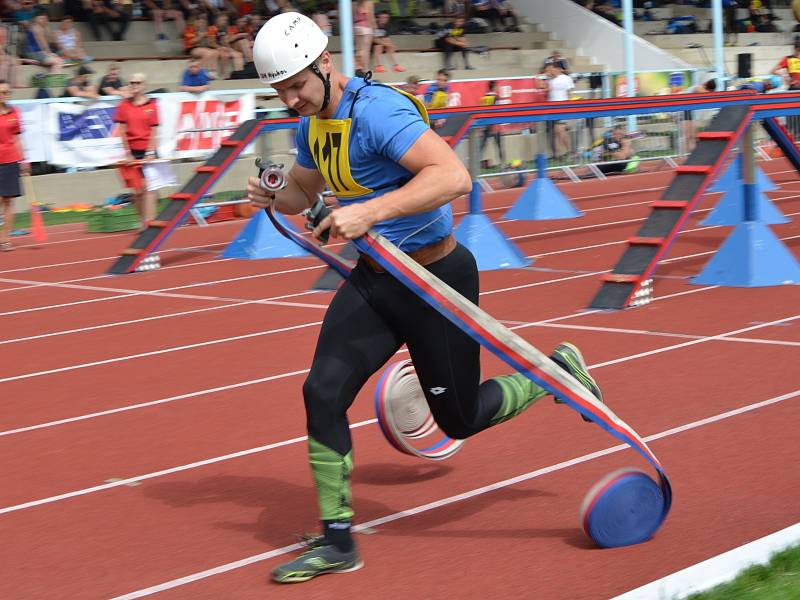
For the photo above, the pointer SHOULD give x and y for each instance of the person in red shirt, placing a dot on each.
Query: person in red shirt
(138, 118)
(790, 65)
(12, 162)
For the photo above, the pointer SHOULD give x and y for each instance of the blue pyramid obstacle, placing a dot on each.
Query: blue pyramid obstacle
(732, 178)
(492, 250)
(260, 239)
(541, 199)
(730, 210)
(752, 256)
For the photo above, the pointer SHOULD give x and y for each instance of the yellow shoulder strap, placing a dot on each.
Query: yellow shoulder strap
(417, 103)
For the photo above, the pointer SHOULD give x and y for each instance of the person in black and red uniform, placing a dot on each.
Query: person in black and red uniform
(11, 162)
(138, 116)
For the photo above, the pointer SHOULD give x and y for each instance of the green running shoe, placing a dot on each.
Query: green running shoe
(319, 559)
(568, 357)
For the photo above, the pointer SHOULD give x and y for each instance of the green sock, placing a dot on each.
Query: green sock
(332, 475)
(519, 393)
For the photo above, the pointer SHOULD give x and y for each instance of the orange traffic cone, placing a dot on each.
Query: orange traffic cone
(38, 231)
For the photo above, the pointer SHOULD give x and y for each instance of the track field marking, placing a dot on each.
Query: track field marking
(574, 198)
(266, 301)
(72, 494)
(103, 413)
(203, 246)
(410, 512)
(273, 377)
(34, 284)
(116, 359)
(687, 336)
(157, 292)
(256, 334)
(605, 244)
(129, 292)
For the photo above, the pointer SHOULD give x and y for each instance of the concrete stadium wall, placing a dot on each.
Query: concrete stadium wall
(592, 35)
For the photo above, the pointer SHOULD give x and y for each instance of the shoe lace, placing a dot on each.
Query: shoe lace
(310, 540)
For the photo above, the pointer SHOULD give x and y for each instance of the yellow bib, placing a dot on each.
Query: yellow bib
(793, 64)
(488, 100)
(329, 140)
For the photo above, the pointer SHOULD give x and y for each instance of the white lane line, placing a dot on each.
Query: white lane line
(161, 291)
(34, 284)
(219, 459)
(113, 411)
(170, 471)
(410, 512)
(278, 376)
(687, 336)
(189, 248)
(130, 292)
(616, 242)
(573, 198)
(265, 301)
(717, 570)
(116, 359)
(712, 338)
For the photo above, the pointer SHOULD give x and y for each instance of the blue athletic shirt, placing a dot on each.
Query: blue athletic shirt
(385, 125)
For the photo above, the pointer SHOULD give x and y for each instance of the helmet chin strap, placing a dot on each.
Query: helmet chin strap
(326, 82)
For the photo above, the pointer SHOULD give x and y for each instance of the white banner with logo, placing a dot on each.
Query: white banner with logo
(34, 127)
(81, 135)
(184, 115)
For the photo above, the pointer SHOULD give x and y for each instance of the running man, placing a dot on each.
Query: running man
(372, 146)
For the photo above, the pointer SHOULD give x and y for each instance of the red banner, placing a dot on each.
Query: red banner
(509, 91)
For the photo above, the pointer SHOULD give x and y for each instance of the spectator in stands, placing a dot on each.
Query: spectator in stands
(25, 11)
(102, 13)
(789, 67)
(731, 25)
(615, 152)
(761, 17)
(138, 119)
(67, 40)
(796, 14)
(493, 131)
(364, 26)
(195, 80)
(488, 11)
(12, 163)
(411, 86)
(240, 39)
(452, 40)
(320, 17)
(382, 43)
(557, 59)
(81, 86)
(605, 10)
(217, 39)
(38, 47)
(508, 13)
(195, 44)
(9, 65)
(112, 85)
(163, 10)
(559, 86)
(438, 93)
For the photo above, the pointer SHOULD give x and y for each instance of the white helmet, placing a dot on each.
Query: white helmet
(285, 45)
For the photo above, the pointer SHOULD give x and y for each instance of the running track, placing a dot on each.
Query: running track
(152, 426)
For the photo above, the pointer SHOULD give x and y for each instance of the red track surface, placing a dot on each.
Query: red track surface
(205, 358)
